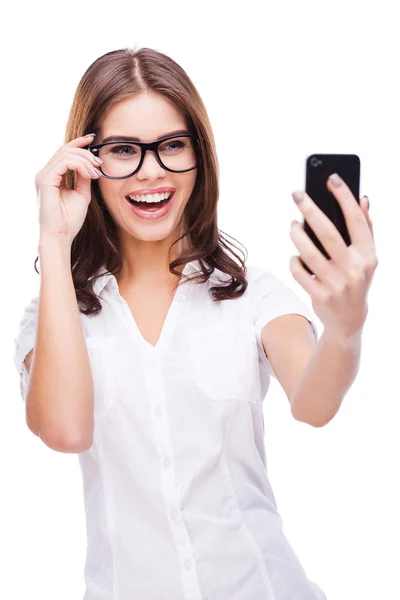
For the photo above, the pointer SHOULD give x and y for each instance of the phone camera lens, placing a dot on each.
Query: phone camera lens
(314, 162)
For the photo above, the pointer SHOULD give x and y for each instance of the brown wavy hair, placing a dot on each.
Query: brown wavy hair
(116, 76)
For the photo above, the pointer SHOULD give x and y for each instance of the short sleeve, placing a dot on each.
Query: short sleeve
(25, 342)
(271, 298)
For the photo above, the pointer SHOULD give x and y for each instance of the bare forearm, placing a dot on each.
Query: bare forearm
(60, 392)
(326, 379)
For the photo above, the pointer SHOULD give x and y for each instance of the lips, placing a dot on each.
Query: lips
(151, 210)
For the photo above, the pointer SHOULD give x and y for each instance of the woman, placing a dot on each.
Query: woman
(150, 349)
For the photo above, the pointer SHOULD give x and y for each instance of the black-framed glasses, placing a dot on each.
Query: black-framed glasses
(177, 154)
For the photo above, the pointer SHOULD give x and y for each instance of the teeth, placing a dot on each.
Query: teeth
(151, 197)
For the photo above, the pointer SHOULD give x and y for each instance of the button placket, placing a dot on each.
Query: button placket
(174, 513)
(169, 479)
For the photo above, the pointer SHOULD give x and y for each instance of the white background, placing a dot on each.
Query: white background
(287, 79)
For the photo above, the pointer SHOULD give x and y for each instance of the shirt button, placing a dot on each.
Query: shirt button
(188, 563)
(166, 463)
(158, 411)
(174, 513)
(182, 296)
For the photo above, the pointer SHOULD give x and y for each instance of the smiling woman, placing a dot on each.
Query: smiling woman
(159, 390)
(168, 106)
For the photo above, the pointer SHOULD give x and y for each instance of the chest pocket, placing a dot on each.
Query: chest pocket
(225, 362)
(101, 351)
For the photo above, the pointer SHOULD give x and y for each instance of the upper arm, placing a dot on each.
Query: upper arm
(288, 342)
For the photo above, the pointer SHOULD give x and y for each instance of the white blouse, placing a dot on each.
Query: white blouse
(177, 497)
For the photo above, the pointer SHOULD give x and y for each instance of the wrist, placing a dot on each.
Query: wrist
(345, 340)
(54, 254)
(53, 244)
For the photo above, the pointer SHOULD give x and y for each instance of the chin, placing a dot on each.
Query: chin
(151, 232)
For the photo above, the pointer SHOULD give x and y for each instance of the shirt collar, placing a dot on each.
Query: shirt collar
(99, 283)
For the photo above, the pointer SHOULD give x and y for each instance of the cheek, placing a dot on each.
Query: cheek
(109, 192)
(104, 187)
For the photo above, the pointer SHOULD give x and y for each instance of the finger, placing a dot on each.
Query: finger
(323, 227)
(322, 267)
(85, 172)
(83, 140)
(52, 174)
(82, 163)
(312, 286)
(95, 160)
(354, 216)
(364, 203)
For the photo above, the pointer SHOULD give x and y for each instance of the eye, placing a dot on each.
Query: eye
(172, 145)
(122, 150)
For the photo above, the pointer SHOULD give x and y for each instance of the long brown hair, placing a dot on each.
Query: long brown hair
(116, 76)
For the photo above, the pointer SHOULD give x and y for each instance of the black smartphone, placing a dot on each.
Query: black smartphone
(318, 168)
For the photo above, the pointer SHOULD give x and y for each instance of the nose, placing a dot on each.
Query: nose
(150, 168)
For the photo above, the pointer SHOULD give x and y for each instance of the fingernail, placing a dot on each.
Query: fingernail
(98, 160)
(97, 171)
(336, 180)
(295, 222)
(298, 197)
(90, 135)
(367, 200)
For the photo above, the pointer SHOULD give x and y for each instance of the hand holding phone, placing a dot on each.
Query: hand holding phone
(340, 287)
(318, 168)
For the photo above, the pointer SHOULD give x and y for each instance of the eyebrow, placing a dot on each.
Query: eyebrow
(127, 138)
